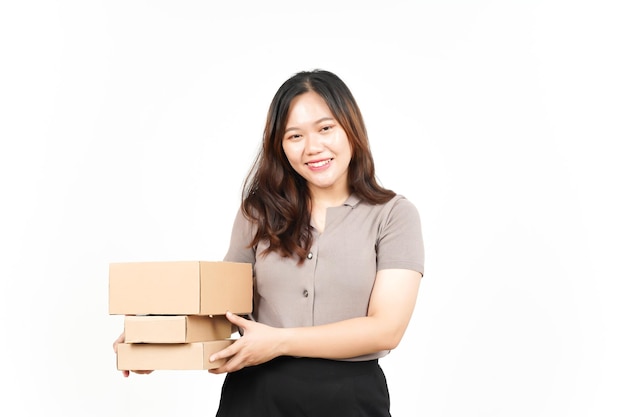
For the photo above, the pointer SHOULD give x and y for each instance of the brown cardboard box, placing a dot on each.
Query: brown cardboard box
(178, 356)
(180, 288)
(176, 329)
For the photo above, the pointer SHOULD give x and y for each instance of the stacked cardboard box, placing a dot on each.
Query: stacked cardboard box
(175, 311)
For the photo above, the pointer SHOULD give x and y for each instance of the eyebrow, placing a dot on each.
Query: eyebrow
(323, 119)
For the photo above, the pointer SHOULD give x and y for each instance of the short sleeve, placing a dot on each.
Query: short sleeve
(400, 243)
(241, 236)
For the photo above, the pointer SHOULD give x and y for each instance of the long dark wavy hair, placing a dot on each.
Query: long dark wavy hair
(275, 197)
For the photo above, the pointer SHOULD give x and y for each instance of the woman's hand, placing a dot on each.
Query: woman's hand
(258, 344)
(125, 373)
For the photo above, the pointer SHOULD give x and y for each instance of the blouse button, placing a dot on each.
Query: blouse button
(310, 255)
(305, 293)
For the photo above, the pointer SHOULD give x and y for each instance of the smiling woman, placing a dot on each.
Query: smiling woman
(337, 262)
(318, 149)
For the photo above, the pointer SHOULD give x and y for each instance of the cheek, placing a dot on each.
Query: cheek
(291, 150)
(347, 148)
(290, 155)
(286, 150)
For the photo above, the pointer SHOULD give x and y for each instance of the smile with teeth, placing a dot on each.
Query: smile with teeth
(319, 163)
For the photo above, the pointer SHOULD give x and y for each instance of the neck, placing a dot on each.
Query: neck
(329, 198)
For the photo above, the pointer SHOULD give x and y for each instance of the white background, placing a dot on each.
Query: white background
(127, 128)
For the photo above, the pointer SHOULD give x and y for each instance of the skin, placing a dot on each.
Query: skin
(312, 136)
(318, 149)
(125, 373)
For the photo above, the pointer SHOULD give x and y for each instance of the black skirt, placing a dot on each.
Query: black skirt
(306, 387)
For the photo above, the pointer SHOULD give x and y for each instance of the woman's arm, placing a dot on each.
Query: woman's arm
(391, 305)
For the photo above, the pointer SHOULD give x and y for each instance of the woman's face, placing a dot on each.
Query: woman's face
(316, 145)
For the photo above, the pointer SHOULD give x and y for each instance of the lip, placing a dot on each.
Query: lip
(325, 163)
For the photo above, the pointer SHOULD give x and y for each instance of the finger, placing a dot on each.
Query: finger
(230, 366)
(224, 353)
(236, 319)
(120, 339)
(232, 318)
(217, 371)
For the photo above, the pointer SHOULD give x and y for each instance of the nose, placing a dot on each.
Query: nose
(314, 144)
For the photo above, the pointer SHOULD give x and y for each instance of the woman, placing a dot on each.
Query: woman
(337, 262)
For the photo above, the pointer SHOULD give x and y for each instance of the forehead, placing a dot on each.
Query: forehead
(308, 108)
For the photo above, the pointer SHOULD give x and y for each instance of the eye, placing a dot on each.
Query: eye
(295, 136)
(326, 128)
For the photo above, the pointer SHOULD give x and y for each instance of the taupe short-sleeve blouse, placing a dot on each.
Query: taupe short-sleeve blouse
(336, 279)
